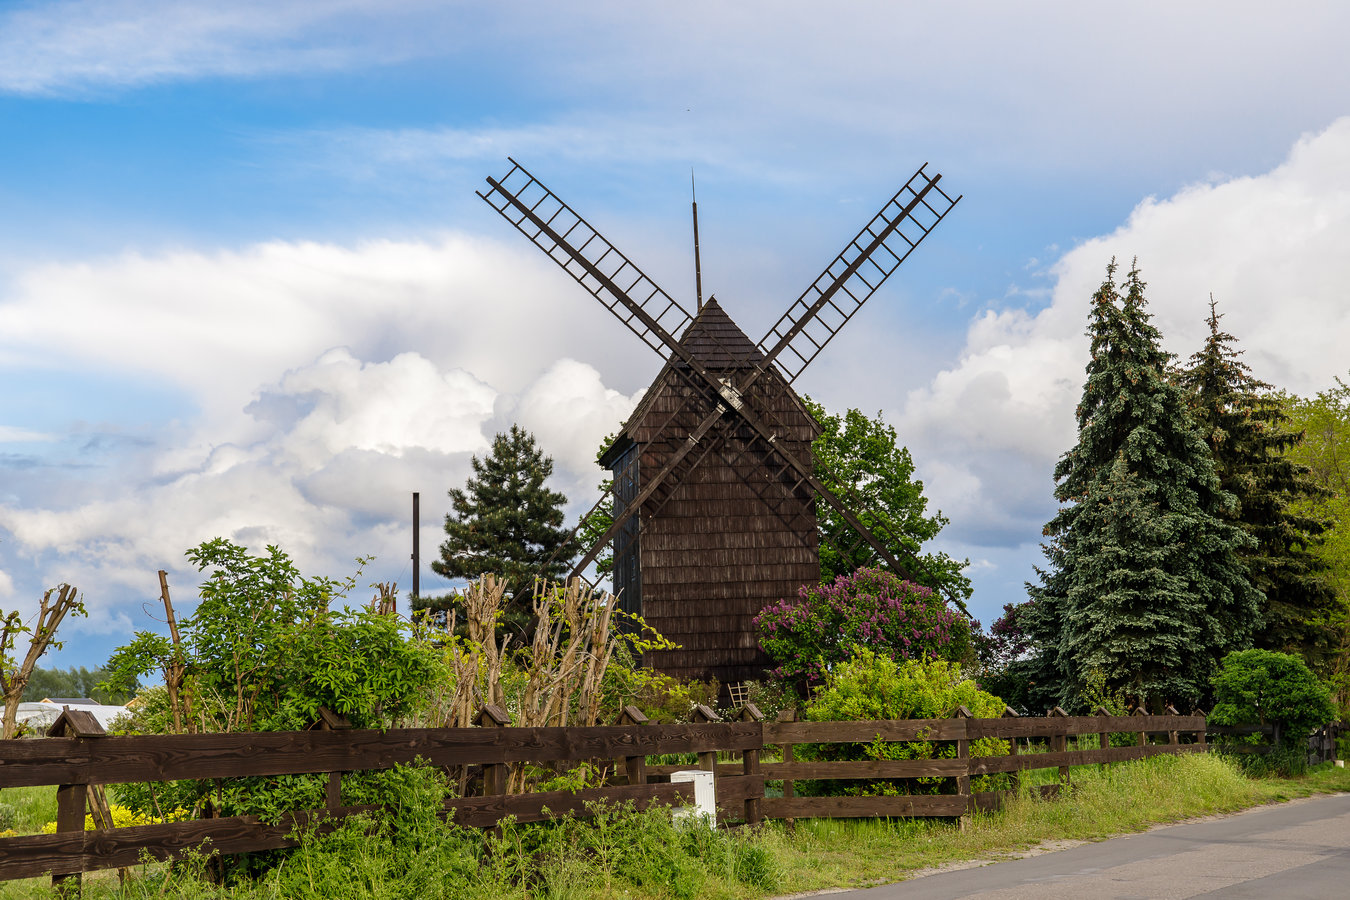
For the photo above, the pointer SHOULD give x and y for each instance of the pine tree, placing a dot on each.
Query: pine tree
(1145, 586)
(506, 521)
(1249, 436)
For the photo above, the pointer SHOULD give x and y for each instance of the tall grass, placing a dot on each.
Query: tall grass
(645, 856)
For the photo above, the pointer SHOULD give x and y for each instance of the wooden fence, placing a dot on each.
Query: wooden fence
(75, 763)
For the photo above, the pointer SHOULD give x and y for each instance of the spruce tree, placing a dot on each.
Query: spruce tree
(507, 522)
(1145, 586)
(1249, 436)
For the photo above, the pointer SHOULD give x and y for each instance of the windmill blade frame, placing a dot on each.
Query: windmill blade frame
(598, 266)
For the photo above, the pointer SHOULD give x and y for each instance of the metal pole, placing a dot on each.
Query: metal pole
(417, 545)
(698, 270)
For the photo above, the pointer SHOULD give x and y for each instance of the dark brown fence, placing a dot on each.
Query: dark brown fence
(76, 763)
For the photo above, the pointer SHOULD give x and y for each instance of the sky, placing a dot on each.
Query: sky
(247, 289)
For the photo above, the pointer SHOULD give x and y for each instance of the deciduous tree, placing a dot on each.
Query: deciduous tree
(861, 458)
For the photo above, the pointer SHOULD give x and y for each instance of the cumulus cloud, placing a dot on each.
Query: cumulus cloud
(324, 470)
(228, 321)
(1269, 247)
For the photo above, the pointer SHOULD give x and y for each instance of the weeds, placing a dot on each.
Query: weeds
(410, 852)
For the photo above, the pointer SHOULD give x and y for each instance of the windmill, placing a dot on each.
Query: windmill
(715, 493)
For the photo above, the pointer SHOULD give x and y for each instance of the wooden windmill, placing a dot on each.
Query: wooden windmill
(714, 502)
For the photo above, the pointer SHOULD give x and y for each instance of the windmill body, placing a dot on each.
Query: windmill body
(700, 560)
(715, 491)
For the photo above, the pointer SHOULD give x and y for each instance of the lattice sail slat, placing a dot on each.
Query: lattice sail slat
(856, 273)
(585, 254)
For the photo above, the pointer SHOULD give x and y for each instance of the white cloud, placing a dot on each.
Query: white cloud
(226, 322)
(6, 584)
(324, 470)
(1269, 247)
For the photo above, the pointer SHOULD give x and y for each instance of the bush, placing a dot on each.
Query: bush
(872, 686)
(871, 608)
(1258, 687)
(9, 817)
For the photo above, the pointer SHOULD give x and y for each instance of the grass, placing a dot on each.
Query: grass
(637, 857)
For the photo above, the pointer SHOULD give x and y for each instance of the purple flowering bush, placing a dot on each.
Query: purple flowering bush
(807, 636)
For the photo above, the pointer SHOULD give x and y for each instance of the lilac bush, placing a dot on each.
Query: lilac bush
(825, 623)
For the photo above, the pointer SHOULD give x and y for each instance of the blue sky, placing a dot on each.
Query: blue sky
(246, 287)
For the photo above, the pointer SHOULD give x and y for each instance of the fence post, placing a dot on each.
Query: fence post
(1061, 744)
(1103, 737)
(1172, 738)
(963, 715)
(707, 759)
(1139, 711)
(331, 721)
(1015, 776)
(789, 755)
(750, 764)
(1201, 735)
(494, 774)
(71, 799)
(634, 766)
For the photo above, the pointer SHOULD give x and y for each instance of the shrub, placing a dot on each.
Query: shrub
(1257, 687)
(871, 686)
(871, 608)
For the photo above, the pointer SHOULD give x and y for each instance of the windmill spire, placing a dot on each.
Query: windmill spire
(698, 271)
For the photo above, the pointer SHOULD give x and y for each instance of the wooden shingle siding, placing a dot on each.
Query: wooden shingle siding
(723, 540)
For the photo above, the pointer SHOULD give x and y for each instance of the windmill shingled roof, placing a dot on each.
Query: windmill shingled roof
(716, 341)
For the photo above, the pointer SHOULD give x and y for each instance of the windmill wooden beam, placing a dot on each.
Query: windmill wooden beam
(721, 405)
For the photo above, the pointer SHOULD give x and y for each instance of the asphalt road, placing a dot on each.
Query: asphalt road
(1295, 850)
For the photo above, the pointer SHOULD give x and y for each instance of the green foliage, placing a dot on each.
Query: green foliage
(505, 521)
(1145, 581)
(1250, 437)
(263, 651)
(662, 698)
(860, 459)
(870, 608)
(1257, 687)
(872, 686)
(77, 681)
(407, 851)
(1325, 450)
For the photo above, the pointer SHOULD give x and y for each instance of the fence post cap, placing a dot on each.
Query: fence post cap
(1199, 712)
(76, 723)
(492, 715)
(787, 715)
(1010, 713)
(1057, 711)
(963, 712)
(704, 713)
(630, 715)
(1171, 710)
(330, 721)
(1101, 711)
(1139, 711)
(750, 713)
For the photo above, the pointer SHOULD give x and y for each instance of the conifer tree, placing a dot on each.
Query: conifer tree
(506, 521)
(1249, 436)
(1145, 586)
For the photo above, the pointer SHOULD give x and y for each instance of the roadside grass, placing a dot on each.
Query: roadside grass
(33, 806)
(639, 857)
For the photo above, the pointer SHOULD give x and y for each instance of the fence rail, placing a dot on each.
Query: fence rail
(76, 764)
